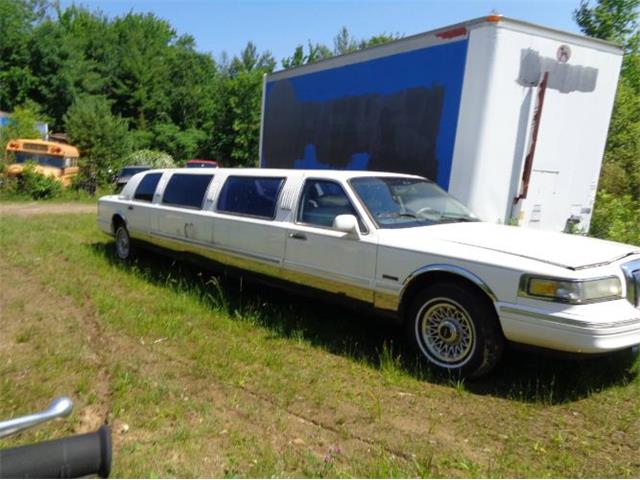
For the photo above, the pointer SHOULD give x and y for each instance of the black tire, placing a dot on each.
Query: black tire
(456, 329)
(124, 247)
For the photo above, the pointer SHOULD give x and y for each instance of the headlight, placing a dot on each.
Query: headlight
(570, 291)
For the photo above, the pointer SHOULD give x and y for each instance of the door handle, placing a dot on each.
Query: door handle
(298, 236)
(130, 207)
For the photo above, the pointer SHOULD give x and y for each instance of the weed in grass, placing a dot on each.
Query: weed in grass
(83, 385)
(389, 363)
(25, 335)
(459, 386)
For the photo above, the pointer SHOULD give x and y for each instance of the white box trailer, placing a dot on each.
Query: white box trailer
(509, 117)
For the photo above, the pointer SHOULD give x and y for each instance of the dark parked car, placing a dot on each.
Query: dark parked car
(125, 175)
(202, 164)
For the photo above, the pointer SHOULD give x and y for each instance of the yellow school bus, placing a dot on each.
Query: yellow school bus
(53, 159)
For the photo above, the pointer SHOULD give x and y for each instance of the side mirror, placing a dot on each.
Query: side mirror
(347, 224)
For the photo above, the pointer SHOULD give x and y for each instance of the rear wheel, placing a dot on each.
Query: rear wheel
(455, 329)
(123, 242)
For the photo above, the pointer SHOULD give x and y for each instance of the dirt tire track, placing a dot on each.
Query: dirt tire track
(28, 209)
(93, 415)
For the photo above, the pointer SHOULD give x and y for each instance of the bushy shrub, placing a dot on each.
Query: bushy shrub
(150, 158)
(616, 218)
(35, 185)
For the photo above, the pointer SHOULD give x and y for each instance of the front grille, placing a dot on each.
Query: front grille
(632, 275)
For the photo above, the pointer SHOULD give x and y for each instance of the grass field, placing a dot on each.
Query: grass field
(211, 376)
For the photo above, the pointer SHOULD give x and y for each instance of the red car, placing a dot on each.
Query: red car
(202, 164)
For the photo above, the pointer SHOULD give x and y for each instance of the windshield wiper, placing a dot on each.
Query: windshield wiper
(397, 215)
(457, 218)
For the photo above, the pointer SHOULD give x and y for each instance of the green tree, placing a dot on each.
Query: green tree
(315, 53)
(102, 138)
(182, 144)
(17, 20)
(616, 218)
(343, 42)
(22, 124)
(141, 77)
(616, 21)
(237, 128)
(619, 188)
(250, 60)
(67, 57)
(380, 39)
(150, 158)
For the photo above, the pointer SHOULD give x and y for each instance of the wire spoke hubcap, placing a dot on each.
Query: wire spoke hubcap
(122, 243)
(446, 332)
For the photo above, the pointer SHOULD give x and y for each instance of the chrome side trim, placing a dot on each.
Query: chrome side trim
(199, 243)
(387, 301)
(570, 321)
(330, 285)
(260, 264)
(442, 267)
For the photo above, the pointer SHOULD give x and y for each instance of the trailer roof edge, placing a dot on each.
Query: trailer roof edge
(496, 20)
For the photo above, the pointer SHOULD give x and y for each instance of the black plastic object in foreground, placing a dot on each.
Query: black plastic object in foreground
(70, 457)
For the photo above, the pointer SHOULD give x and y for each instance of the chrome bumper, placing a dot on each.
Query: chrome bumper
(608, 327)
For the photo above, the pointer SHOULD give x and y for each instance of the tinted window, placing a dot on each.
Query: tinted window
(147, 187)
(322, 201)
(48, 160)
(255, 196)
(186, 190)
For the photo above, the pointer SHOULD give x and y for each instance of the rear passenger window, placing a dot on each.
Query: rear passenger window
(186, 190)
(256, 196)
(147, 187)
(322, 201)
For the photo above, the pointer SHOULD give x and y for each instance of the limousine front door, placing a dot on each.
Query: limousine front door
(320, 256)
(331, 260)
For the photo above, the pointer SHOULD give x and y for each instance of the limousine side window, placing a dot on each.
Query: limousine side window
(185, 190)
(322, 201)
(147, 187)
(254, 196)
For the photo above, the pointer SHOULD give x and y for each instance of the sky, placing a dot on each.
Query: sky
(279, 25)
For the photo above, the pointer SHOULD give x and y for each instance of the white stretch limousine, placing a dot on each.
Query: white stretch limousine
(397, 243)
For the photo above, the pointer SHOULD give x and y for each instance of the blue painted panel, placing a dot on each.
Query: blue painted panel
(397, 113)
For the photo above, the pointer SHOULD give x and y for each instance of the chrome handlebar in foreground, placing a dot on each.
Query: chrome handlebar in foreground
(69, 457)
(59, 407)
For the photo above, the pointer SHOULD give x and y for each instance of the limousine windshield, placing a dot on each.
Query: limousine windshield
(399, 202)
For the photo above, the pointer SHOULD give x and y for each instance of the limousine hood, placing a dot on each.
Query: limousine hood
(559, 249)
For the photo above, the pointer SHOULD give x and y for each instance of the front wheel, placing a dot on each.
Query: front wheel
(455, 329)
(123, 242)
